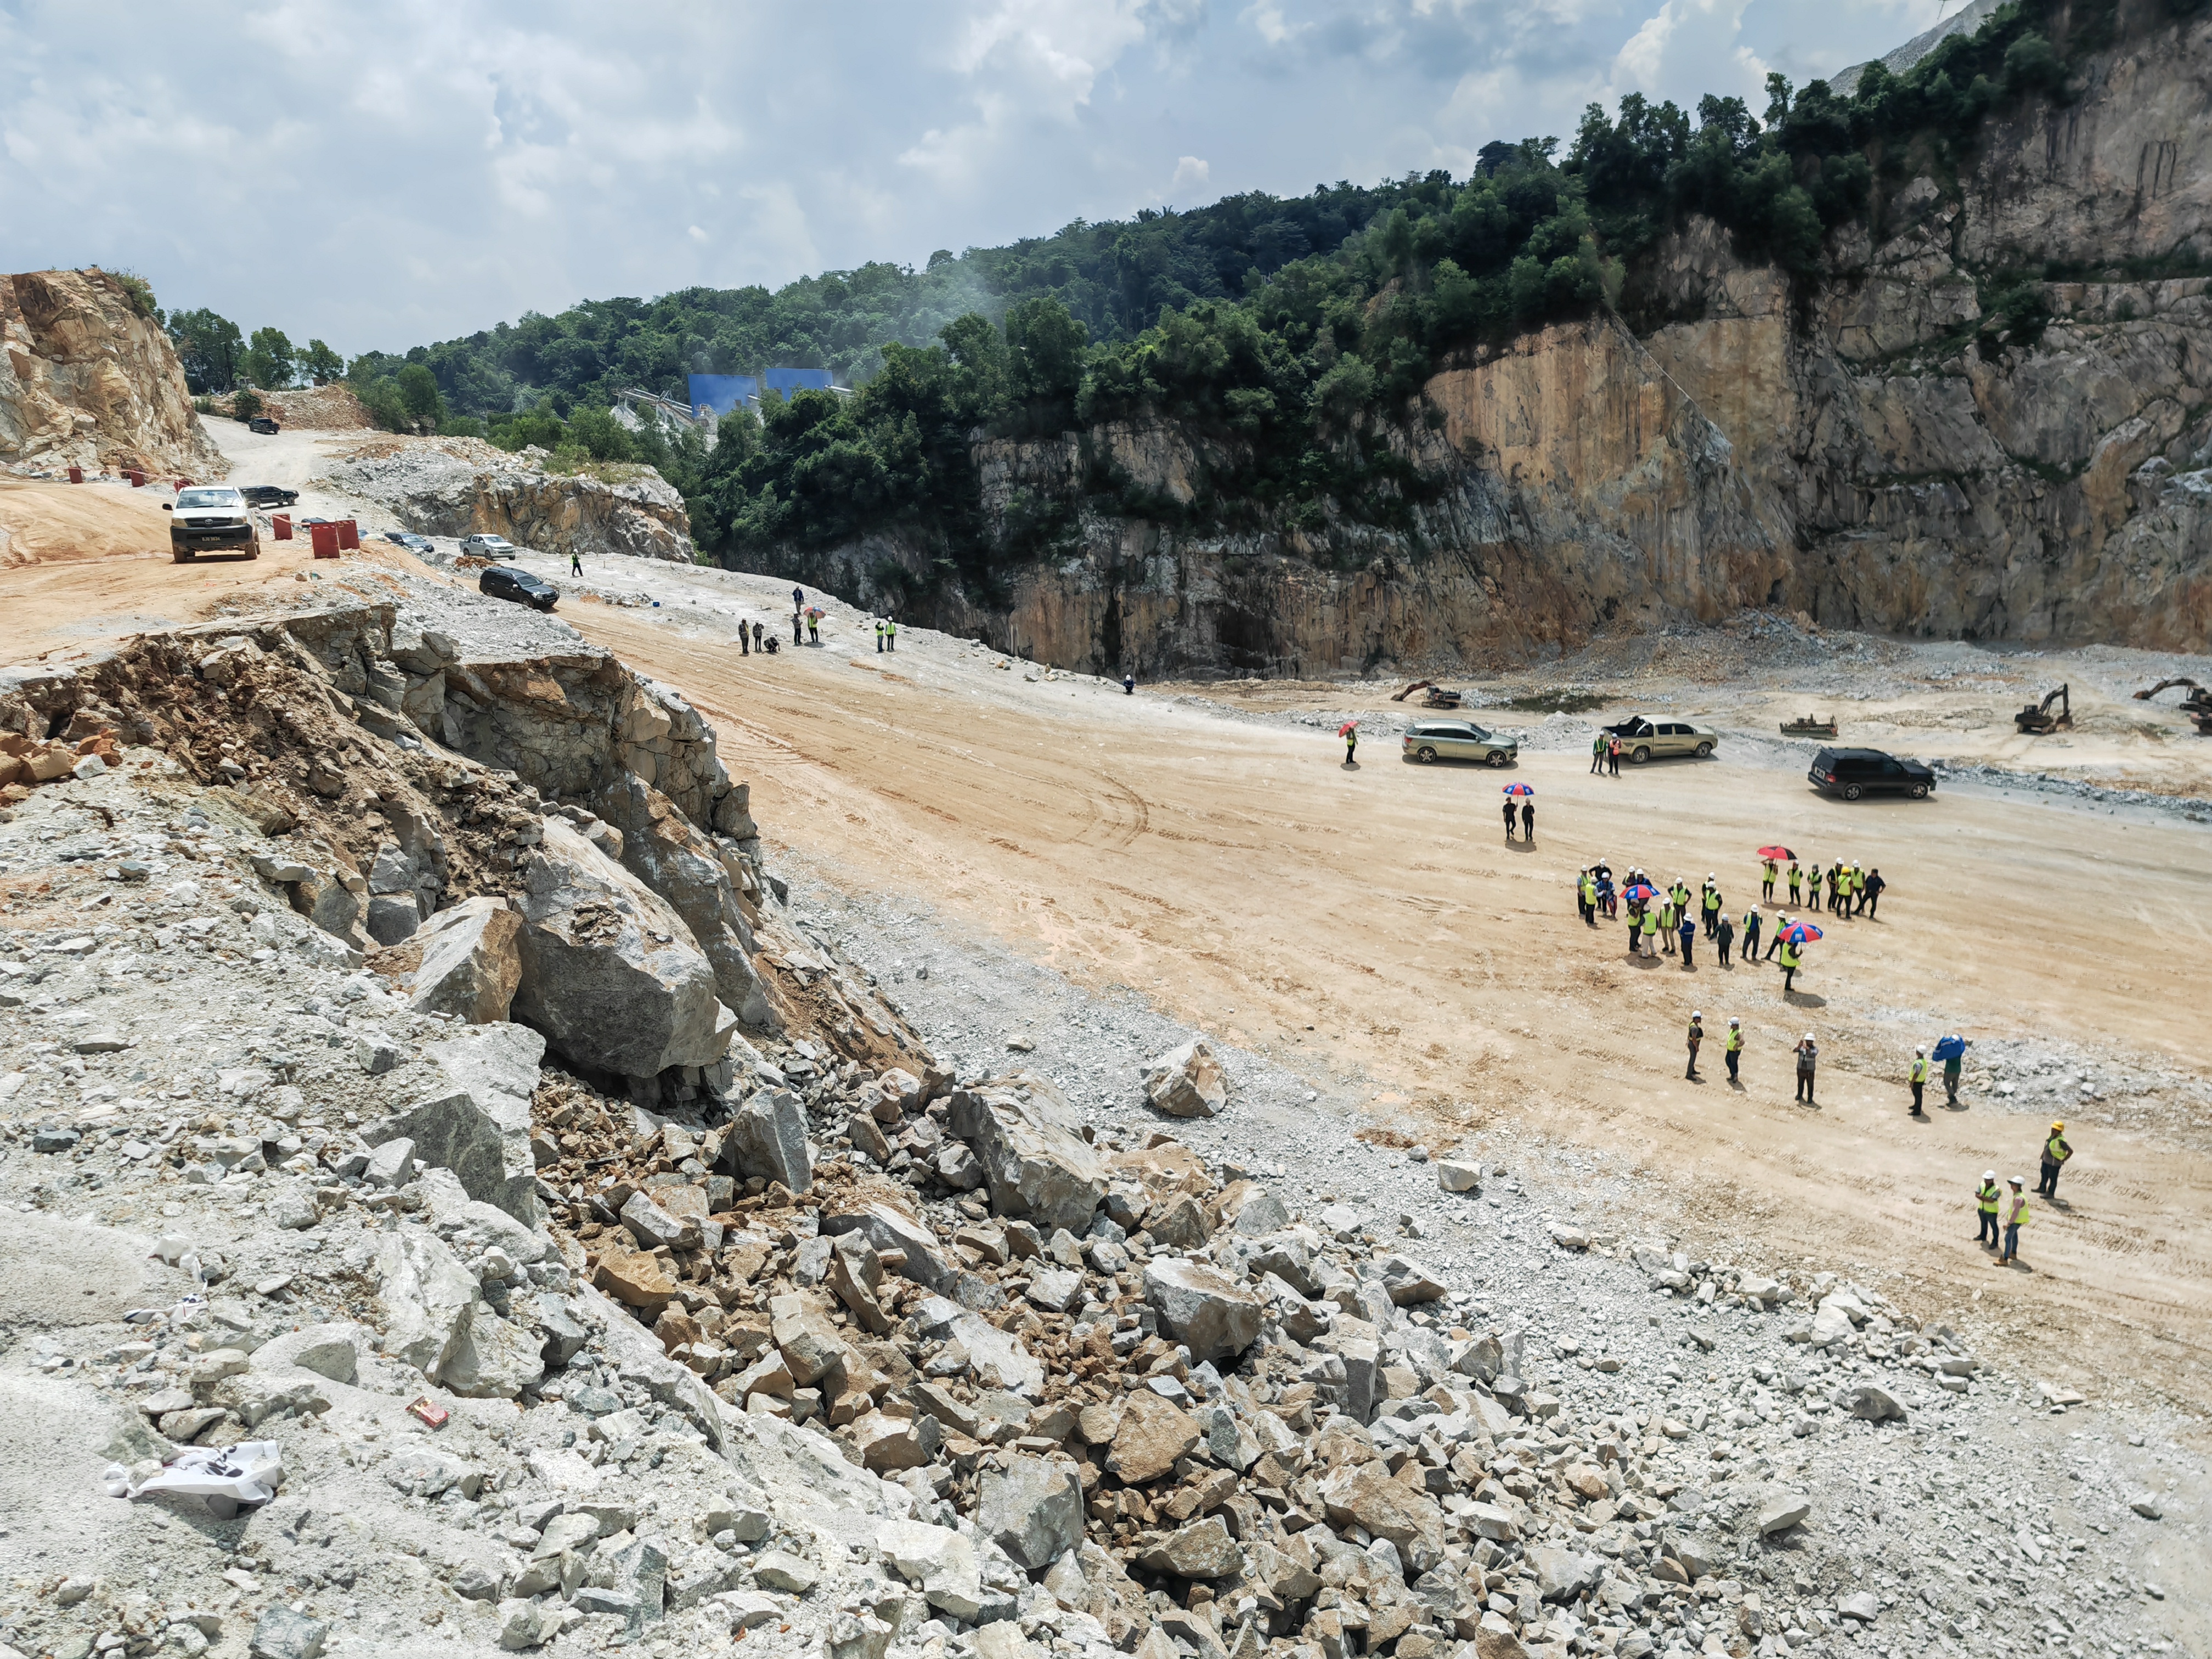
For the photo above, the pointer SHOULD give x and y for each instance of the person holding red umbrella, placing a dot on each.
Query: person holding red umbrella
(1350, 733)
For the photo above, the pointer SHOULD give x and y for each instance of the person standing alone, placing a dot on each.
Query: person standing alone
(1732, 1051)
(1809, 1056)
(1697, 1037)
(1918, 1076)
(2056, 1151)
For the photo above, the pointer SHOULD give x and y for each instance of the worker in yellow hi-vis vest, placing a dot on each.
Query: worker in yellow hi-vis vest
(1732, 1051)
(2015, 1218)
(1918, 1077)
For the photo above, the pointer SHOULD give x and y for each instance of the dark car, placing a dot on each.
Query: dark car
(261, 423)
(270, 495)
(1852, 772)
(504, 581)
(410, 541)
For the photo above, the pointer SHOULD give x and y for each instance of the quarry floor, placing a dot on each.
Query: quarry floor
(1204, 847)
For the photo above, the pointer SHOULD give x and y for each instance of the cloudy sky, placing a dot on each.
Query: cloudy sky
(383, 175)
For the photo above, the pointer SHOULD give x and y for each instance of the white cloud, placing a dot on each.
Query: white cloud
(424, 168)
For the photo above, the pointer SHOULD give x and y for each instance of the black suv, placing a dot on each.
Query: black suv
(261, 423)
(270, 495)
(1852, 773)
(504, 581)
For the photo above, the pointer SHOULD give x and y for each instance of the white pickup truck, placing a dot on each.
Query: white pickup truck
(211, 515)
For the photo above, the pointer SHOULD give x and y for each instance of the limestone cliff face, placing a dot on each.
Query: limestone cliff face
(86, 381)
(1861, 448)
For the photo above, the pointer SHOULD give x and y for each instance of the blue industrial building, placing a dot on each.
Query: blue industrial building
(716, 395)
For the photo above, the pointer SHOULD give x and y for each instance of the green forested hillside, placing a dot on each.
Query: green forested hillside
(1301, 329)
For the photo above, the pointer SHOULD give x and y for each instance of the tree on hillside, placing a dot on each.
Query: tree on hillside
(320, 364)
(418, 393)
(209, 346)
(268, 361)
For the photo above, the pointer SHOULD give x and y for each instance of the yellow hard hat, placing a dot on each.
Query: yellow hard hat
(2055, 1127)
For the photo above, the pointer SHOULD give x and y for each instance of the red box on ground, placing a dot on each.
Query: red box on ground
(280, 526)
(326, 538)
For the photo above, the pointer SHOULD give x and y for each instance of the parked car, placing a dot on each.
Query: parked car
(487, 547)
(210, 515)
(261, 423)
(1642, 739)
(1434, 740)
(410, 541)
(504, 581)
(270, 495)
(1852, 772)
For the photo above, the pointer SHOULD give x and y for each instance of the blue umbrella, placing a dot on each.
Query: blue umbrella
(1951, 1047)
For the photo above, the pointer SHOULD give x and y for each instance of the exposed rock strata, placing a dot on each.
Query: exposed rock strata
(86, 381)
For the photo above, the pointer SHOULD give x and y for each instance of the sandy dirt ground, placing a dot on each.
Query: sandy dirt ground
(1207, 847)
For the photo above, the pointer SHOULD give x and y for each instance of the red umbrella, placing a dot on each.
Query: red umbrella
(1775, 852)
(1800, 932)
(1639, 893)
(1345, 727)
(1519, 789)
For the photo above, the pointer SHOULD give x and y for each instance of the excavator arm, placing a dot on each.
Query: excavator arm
(2145, 697)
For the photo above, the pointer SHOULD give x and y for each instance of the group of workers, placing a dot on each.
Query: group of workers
(1851, 891)
(1670, 920)
(807, 628)
(2001, 1213)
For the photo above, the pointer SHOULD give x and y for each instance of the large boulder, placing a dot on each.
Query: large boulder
(1365, 1495)
(611, 974)
(1150, 1435)
(478, 1125)
(471, 962)
(427, 1295)
(1032, 1510)
(991, 1352)
(767, 1138)
(1186, 1082)
(1029, 1141)
(1211, 1315)
(669, 853)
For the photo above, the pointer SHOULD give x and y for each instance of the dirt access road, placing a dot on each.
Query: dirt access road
(1371, 927)
(1373, 923)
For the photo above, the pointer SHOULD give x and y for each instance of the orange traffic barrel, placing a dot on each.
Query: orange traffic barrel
(280, 526)
(325, 538)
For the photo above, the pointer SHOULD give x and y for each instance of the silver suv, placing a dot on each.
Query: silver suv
(1427, 741)
(489, 547)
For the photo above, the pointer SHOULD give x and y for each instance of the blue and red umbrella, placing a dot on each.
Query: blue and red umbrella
(1519, 789)
(1641, 893)
(1800, 933)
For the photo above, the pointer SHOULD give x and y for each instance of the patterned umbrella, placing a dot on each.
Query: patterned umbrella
(1642, 893)
(1519, 789)
(1775, 852)
(1802, 933)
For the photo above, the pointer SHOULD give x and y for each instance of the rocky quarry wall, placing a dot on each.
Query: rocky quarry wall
(86, 381)
(1843, 447)
(462, 486)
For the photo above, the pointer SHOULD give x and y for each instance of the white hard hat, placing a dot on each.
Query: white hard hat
(1989, 1174)
(1809, 1036)
(1919, 1051)
(1733, 1021)
(2017, 1181)
(1695, 1014)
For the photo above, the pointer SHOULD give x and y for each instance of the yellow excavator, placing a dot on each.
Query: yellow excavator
(2196, 703)
(1439, 697)
(2036, 719)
